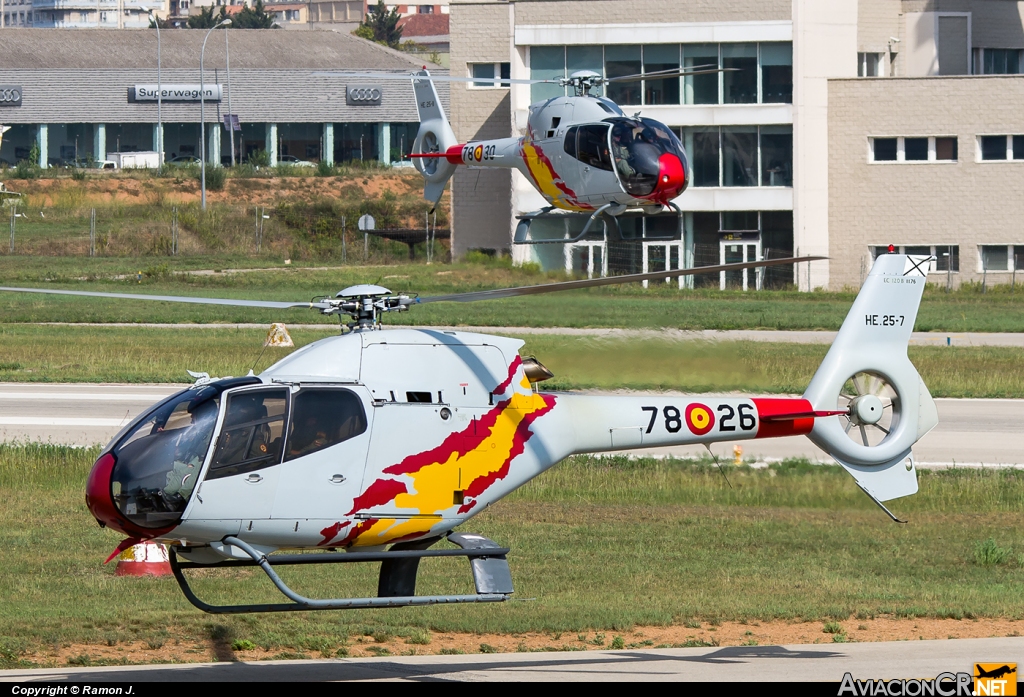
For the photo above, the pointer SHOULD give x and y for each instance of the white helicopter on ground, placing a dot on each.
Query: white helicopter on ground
(582, 153)
(377, 438)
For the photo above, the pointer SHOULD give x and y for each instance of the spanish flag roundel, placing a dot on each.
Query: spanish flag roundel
(699, 419)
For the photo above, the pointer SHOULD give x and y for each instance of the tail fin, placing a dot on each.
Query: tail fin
(891, 408)
(435, 135)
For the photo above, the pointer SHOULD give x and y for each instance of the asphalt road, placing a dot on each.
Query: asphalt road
(971, 432)
(815, 662)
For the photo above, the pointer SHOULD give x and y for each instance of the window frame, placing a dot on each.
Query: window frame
(213, 472)
(680, 131)
(1009, 148)
(720, 78)
(1013, 252)
(901, 158)
(285, 448)
(495, 75)
(936, 250)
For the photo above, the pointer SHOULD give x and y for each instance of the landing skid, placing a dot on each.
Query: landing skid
(610, 211)
(397, 584)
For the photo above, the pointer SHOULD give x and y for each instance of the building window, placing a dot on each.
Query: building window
(758, 73)
(486, 72)
(869, 64)
(777, 73)
(426, 9)
(995, 257)
(946, 257)
(700, 89)
(884, 149)
(946, 149)
(739, 83)
(740, 155)
(913, 149)
(1000, 148)
(997, 61)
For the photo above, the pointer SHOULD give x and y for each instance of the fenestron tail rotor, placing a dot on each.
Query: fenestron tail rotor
(873, 408)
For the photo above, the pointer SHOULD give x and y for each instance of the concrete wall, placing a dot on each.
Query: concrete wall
(824, 46)
(643, 11)
(968, 203)
(481, 209)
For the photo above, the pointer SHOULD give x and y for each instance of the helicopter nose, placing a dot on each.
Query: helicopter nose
(97, 494)
(671, 178)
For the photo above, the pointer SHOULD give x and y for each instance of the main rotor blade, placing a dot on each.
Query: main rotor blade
(436, 78)
(172, 298)
(660, 74)
(607, 281)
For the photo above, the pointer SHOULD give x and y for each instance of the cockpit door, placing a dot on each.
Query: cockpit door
(324, 457)
(594, 163)
(242, 476)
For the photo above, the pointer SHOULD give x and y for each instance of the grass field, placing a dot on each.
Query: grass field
(600, 545)
(661, 305)
(34, 353)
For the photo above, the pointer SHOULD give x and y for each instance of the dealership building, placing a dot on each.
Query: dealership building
(836, 128)
(78, 95)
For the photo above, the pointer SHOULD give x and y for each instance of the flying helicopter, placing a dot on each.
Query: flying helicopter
(582, 153)
(382, 443)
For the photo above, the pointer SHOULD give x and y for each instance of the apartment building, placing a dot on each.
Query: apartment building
(836, 128)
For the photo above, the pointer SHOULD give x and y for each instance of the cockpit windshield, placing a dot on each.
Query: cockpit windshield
(637, 147)
(159, 461)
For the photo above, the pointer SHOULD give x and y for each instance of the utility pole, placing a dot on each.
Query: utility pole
(231, 118)
(202, 114)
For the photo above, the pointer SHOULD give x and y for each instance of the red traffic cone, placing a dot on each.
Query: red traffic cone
(143, 559)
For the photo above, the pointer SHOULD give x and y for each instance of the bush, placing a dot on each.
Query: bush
(215, 178)
(25, 170)
(988, 553)
(259, 158)
(324, 169)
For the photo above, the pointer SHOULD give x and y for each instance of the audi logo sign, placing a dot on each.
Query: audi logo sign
(10, 95)
(363, 95)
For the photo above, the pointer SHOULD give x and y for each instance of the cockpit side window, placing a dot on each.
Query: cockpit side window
(592, 146)
(569, 144)
(252, 434)
(322, 417)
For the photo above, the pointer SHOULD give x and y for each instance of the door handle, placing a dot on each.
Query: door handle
(337, 479)
(254, 478)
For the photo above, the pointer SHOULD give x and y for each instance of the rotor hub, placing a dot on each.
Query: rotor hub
(866, 409)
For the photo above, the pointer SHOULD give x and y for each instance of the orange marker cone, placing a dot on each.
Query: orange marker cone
(143, 559)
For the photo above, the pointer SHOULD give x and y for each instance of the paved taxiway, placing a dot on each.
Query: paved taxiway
(970, 431)
(814, 662)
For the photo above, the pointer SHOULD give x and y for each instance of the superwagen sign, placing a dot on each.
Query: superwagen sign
(175, 93)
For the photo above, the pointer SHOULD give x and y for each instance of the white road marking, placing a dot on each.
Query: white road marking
(83, 396)
(58, 421)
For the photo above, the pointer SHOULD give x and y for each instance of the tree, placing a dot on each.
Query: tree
(381, 26)
(255, 17)
(205, 19)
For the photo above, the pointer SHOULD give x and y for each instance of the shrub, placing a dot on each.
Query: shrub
(259, 158)
(242, 645)
(988, 553)
(215, 178)
(324, 169)
(25, 170)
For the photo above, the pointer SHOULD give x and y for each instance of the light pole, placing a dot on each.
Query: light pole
(202, 113)
(231, 118)
(159, 101)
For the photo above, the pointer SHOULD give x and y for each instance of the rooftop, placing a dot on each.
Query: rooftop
(424, 25)
(49, 49)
